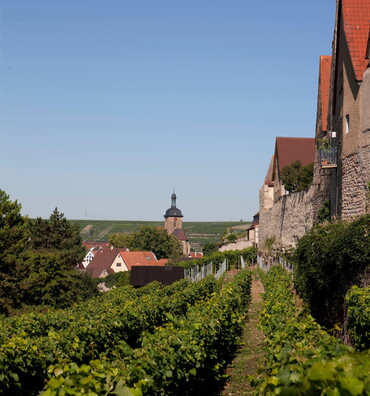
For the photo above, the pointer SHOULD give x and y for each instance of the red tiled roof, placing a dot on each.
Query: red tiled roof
(138, 258)
(92, 244)
(325, 70)
(102, 260)
(179, 234)
(268, 179)
(162, 261)
(291, 149)
(196, 255)
(356, 20)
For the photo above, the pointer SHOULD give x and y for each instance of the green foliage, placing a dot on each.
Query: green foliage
(323, 214)
(45, 281)
(155, 240)
(119, 240)
(58, 234)
(302, 359)
(210, 248)
(14, 236)
(358, 321)
(118, 279)
(232, 256)
(328, 260)
(106, 327)
(13, 232)
(269, 243)
(187, 355)
(296, 177)
(36, 260)
(232, 238)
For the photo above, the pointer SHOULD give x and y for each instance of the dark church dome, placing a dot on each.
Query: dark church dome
(173, 211)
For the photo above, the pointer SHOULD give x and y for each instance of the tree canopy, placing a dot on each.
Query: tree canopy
(57, 234)
(36, 260)
(149, 238)
(296, 177)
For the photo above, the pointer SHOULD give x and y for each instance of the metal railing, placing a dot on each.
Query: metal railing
(198, 272)
(265, 265)
(328, 157)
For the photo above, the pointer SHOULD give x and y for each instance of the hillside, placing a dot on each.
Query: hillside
(198, 233)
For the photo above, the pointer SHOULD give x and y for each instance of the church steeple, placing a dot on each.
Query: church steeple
(173, 211)
(173, 200)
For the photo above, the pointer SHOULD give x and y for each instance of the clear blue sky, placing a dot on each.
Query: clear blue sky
(106, 105)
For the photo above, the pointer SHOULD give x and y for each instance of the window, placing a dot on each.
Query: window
(347, 125)
(119, 264)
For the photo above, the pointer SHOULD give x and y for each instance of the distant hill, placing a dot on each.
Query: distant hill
(198, 233)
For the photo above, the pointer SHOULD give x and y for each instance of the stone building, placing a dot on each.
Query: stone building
(342, 155)
(285, 216)
(173, 225)
(348, 113)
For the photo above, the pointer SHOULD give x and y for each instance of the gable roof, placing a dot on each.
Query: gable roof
(268, 178)
(179, 234)
(324, 84)
(291, 149)
(356, 22)
(102, 260)
(138, 258)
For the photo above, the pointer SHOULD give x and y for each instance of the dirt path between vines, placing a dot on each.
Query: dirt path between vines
(250, 355)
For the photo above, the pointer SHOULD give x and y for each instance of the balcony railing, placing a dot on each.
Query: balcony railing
(328, 157)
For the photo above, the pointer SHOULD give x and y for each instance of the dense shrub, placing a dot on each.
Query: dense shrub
(186, 356)
(328, 260)
(104, 327)
(296, 177)
(358, 320)
(302, 358)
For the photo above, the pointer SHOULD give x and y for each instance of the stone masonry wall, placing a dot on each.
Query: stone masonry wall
(354, 185)
(289, 219)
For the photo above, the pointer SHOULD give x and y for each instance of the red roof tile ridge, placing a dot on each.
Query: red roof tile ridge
(325, 72)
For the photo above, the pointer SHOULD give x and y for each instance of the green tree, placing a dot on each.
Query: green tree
(296, 177)
(14, 232)
(57, 234)
(36, 260)
(45, 281)
(156, 240)
(328, 260)
(210, 248)
(119, 240)
(14, 236)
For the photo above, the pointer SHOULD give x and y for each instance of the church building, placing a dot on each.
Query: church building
(173, 225)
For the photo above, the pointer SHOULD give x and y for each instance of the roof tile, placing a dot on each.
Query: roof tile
(356, 19)
(325, 70)
(291, 149)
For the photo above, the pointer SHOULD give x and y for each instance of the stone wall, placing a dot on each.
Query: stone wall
(241, 244)
(289, 219)
(354, 187)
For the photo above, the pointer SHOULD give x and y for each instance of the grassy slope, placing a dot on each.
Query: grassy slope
(198, 233)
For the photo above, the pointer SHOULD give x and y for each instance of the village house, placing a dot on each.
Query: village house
(348, 115)
(110, 261)
(252, 231)
(92, 249)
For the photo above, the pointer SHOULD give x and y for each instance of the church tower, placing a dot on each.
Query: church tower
(173, 216)
(173, 225)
